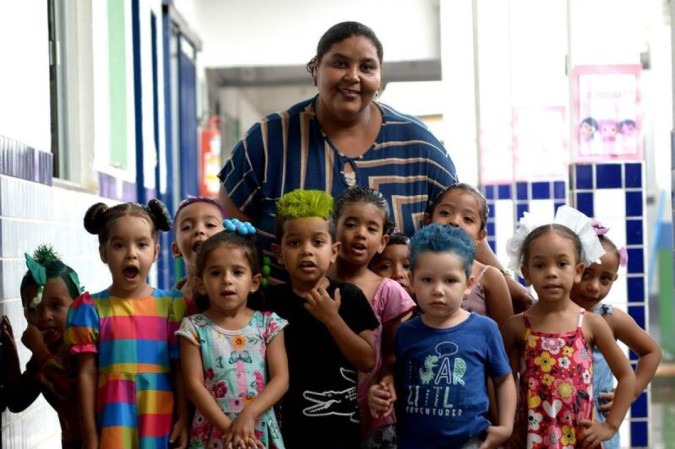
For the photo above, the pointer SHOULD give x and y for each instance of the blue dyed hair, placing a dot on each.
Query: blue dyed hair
(440, 238)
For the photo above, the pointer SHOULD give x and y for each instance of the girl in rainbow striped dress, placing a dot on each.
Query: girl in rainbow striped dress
(124, 338)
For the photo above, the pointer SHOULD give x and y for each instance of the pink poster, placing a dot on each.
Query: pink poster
(606, 113)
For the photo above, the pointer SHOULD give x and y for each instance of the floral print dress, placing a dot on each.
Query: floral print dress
(557, 376)
(234, 373)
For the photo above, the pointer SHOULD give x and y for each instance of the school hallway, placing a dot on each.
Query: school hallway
(129, 100)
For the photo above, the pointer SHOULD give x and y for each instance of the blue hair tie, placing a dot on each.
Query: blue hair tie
(240, 227)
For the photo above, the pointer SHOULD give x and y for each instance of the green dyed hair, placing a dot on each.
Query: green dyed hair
(304, 204)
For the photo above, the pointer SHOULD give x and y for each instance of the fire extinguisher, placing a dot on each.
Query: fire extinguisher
(210, 158)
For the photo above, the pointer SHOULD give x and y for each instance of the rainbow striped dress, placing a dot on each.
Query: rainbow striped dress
(135, 343)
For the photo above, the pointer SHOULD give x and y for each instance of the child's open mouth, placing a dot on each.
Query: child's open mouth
(130, 273)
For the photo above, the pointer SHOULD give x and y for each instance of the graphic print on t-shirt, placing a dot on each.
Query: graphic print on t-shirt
(437, 387)
(332, 402)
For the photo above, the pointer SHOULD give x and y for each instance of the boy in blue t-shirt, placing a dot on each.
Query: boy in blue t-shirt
(444, 355)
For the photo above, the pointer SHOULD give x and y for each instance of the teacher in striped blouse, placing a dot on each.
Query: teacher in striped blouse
(340, 138)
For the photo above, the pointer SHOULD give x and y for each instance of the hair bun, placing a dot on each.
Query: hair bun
(159, 214)
(94, 218)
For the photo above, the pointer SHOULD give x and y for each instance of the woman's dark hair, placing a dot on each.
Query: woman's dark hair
(366, 195)
(249, 243)
(338, 33)
(100, 218)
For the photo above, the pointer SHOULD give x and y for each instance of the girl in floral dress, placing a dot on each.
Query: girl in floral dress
(228, 350)
(551, 342)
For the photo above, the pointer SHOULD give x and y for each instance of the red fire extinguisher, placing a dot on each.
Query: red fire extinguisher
(209, 184)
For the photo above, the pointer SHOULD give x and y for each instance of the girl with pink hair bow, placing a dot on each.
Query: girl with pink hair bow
(596, 282)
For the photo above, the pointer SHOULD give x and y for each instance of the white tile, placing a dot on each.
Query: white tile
(618, 295)
(505, 221)
(544, 210)
(609, 204)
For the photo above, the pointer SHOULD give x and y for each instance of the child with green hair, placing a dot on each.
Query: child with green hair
(47, 291)
(330, 333)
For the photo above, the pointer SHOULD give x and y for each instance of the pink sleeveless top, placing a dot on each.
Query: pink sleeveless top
(475, 300)
(556, 386)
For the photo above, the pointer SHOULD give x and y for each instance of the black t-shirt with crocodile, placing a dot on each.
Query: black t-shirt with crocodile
(320, 408)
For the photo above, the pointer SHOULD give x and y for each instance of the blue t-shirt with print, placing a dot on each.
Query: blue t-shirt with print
(441, 380)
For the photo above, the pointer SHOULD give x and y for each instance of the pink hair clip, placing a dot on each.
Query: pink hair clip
(598, 227)
(623, 256)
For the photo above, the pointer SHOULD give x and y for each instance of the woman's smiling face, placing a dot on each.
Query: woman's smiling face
(348, 77)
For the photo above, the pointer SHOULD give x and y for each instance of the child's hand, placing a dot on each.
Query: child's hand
(321, 306)
(594, 433)
(241, 434)
(179, 435)
(606, 401)
(32, 338)
(7, 333)
(381, 399)
(496, 435)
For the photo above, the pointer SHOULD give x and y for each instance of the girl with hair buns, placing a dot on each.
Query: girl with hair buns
(47, 291)
(124, 337)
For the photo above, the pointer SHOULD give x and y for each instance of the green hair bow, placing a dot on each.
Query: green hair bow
(39, 274)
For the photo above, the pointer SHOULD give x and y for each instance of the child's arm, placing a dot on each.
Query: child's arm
(389, 329)
(179, 433)
(505, 388)
(242, 429)
(640, 342)
(358, 349)
(513, 332)
(627, 330)
(497, 296)
(21, 389)
(595, 433)
(193, 377)
(520, 297)
(87, 374)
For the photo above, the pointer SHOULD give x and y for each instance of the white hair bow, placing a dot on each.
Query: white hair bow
(580, 224)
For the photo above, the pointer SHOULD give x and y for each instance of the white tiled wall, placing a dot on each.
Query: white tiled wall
(32, 214)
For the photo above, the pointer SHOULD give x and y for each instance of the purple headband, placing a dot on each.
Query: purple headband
(601, 229)
(199, 199)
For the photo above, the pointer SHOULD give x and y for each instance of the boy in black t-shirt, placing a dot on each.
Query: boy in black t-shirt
(329, 337)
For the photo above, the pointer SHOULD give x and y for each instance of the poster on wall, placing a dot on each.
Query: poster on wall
(606, 113)
(540, 149)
